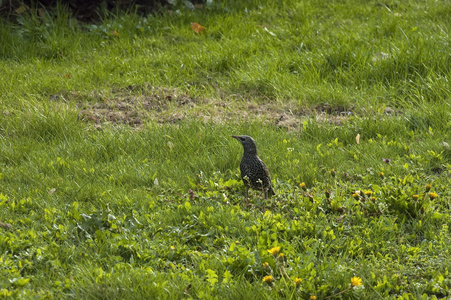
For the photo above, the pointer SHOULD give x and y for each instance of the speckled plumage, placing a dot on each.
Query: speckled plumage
(254, 172)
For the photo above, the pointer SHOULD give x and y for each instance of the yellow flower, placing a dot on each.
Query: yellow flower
(428, 187)
(373, 198)
(381, 174)
(274, 251)
(356, 196)
(268, 279)
(368, 193)
(281, 256)
(303, 185)
(433, 195)
(356, 281)
(265, 265)
(297, 281)
(415, 197)
(312, 297)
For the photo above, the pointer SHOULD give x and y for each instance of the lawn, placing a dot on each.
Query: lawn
(119, 178)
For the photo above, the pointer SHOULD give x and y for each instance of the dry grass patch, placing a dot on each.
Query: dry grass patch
(135, 106)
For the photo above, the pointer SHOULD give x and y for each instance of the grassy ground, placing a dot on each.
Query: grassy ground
(119, 179)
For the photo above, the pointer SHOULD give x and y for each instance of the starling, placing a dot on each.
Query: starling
(254, 172)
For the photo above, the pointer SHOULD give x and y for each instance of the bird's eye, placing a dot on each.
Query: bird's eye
(242, 139)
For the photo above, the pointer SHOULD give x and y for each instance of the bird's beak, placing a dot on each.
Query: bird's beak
(234, 136)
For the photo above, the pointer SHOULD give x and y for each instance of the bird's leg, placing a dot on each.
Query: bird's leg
(265, 192)
(246, 183)
(247, 196)
(266, 195)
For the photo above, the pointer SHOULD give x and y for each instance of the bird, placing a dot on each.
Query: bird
(254, 172)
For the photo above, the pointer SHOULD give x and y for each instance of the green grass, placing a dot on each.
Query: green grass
(119, 178)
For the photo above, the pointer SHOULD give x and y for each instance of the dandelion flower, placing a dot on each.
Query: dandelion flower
(356, 281)
(373, 198)
(368, 193)
(265, 265)
(297, 281)
(274, 251)
(356, 196)
(281, 256)
(312, 297)
(303, 186)
(268, 279)
(433, 195)
(381, 174)
(428, 187)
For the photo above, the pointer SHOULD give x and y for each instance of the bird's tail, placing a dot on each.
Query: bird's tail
(271, 192)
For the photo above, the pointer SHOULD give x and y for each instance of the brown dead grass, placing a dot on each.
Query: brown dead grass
(134, 107)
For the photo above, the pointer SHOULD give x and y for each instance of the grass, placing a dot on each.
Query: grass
(120, 180)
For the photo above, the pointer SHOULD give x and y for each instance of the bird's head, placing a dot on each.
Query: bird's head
(247, 142)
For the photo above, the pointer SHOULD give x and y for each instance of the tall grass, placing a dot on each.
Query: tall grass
(375, 53)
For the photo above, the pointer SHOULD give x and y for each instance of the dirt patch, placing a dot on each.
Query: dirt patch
(134, 106)
(131, 106)
(332, 114)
